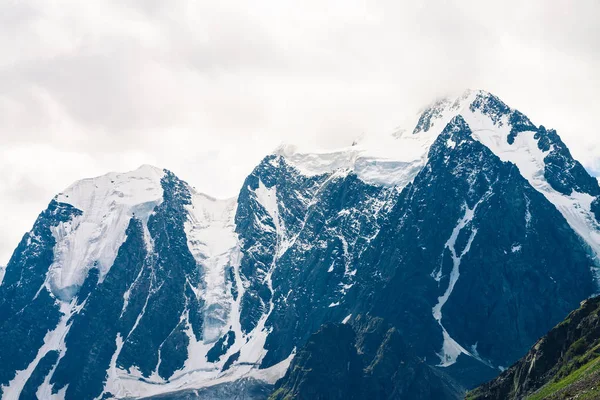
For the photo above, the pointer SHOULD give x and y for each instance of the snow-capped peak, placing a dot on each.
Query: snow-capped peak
(389, 160)
(92, 239)
(131, 184)
(434, 117)
(395, 160)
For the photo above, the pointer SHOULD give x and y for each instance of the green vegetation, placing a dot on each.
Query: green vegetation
(280, 392)
(578, 375)
(565, 364)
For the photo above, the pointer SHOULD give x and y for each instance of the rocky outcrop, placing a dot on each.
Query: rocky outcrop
(365, 359)
(563, 364)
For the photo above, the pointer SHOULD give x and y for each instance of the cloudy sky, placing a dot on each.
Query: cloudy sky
(207, 88)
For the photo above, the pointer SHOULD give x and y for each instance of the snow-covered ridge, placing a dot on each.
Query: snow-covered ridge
(396, 159)
(386, 160)
(525, 153)
(212, 240)
(93, 239)
(490, 122)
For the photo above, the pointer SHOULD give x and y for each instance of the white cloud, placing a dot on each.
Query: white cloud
(206, 89)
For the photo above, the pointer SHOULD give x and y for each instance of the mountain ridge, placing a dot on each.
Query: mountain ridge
(192, 291)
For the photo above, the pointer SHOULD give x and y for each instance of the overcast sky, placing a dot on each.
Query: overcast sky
(207, 88)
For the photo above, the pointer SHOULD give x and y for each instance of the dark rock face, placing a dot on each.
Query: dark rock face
(428, 116)
(159, 335)
(367, 359)
(498, 300)
(324, 223)
(149, 323)
(562, 364)
(508, 293)
(27, 310)
(564, 173)
(91, 340)
(260, 232)
(519, 123)
(37, 378)
(327, 368)
(491, 106)
(338, 227)
(220, 347)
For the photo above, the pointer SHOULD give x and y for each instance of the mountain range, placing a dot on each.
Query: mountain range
(431, 258)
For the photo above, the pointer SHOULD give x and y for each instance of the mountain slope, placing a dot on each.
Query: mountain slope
(363, 359)
(470, 233)
(563, 364)
(481, 283)
(132, 328)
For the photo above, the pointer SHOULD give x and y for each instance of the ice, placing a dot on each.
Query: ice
(450, 350)
(387, 161)
(211, 237)
(276, 372)
(112, 373)
(267, 198)
(91, 240)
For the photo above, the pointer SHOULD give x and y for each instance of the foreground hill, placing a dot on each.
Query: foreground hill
(564, 364)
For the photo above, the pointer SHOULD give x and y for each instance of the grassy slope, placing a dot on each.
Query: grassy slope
(583, 382)
(563, 365)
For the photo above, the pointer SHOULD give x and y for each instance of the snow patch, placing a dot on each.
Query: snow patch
(112, 373)
(450, 348)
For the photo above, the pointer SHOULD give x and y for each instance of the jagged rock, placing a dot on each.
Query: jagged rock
(366, 359)
(563, 364)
